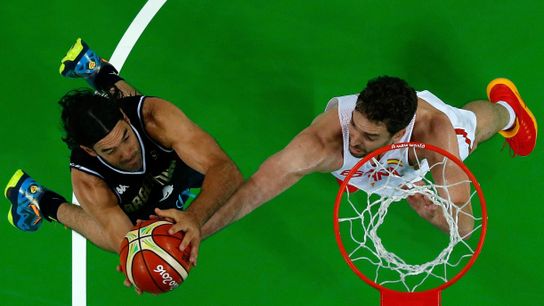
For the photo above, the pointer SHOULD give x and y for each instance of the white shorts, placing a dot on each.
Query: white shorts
(463, 121)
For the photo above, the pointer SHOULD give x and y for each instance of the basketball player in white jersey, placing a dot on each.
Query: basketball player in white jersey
(388, 111)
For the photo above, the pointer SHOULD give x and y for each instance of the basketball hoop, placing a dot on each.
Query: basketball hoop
(359, 218)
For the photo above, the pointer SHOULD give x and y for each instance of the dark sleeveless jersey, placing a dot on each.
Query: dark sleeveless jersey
(163, 181)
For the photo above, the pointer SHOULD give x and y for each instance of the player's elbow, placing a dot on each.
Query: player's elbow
(237, 177)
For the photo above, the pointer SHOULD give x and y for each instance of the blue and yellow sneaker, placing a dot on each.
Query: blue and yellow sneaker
(81, 62)
(24, 193)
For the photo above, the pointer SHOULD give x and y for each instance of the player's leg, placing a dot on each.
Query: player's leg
(74, 217)
(490, 119)
(31, 203)
(508, 115)
(82, 62)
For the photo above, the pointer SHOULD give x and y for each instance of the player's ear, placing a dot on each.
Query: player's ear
(88, 150)
(398, 135)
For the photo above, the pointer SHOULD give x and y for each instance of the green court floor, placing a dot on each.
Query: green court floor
(253, 74)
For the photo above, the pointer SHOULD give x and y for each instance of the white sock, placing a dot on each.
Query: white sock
(511, 112)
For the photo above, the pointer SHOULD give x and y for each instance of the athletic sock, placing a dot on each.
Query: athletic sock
(512, 114)
(49, 205)
(106, 77)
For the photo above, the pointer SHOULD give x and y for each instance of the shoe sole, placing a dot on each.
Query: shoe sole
(13, 184)
(13, 181)
(72, 55)
(509, 84)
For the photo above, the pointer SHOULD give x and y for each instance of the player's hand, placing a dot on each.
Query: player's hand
(155, 217)
(186, 222)
(421, 203)
(127, 283)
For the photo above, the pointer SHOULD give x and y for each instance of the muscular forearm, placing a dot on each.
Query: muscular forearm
(77, 219)
(240, 204)
(465, 223)
(435, 215)
(260, 188)
(305, 154)
(219, 184)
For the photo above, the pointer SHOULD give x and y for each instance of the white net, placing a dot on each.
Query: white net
(363, 216)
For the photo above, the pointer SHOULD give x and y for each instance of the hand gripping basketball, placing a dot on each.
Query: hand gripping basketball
(151, 258)
(186, 222)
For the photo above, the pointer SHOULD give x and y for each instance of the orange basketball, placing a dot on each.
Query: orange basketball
(151, 259)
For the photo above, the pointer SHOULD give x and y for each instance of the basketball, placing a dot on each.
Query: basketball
(151, 259)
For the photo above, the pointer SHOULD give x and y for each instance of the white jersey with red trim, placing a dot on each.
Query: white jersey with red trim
(393, 168)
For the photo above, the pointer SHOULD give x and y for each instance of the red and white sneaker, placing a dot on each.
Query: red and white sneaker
(522, 136)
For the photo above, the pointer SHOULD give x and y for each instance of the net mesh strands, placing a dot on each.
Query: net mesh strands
(364, 219)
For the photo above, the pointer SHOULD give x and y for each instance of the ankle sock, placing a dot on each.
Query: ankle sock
(512, 114)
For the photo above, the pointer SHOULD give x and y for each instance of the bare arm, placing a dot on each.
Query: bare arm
(305, 154)
(124, 89)
(170, 126)
(99, 218)
(445, 175)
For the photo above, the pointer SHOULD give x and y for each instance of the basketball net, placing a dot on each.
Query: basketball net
(361, 218)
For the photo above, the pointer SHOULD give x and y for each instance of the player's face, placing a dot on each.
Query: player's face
(366, 136)
(120, 148)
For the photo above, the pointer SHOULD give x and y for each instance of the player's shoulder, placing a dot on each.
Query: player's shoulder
(430, 121)
(323, 135)
(150, 105)
(153, 110)
(433, 127)
(92, 191)
(327, 119)
(325, 126)
(154, 107)
(84, 182)
(80, 175)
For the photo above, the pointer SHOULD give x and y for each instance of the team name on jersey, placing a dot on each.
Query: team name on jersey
(143, 194)
(390, 168)
(141, 198)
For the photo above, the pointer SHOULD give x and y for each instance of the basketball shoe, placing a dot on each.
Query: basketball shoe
(522, 136)
(24, 193)
(82, 62)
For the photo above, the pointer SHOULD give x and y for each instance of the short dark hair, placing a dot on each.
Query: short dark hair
(87, 117)
(389, 100)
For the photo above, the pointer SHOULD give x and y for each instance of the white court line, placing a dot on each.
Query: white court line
(118, 58)
(134, 31)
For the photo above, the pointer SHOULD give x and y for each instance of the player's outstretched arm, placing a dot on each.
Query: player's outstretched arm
(305, 154)
(449, 176)
(168, 125)
(99, 219)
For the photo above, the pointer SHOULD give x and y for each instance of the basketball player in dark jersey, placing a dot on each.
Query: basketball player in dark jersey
(131, 156)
